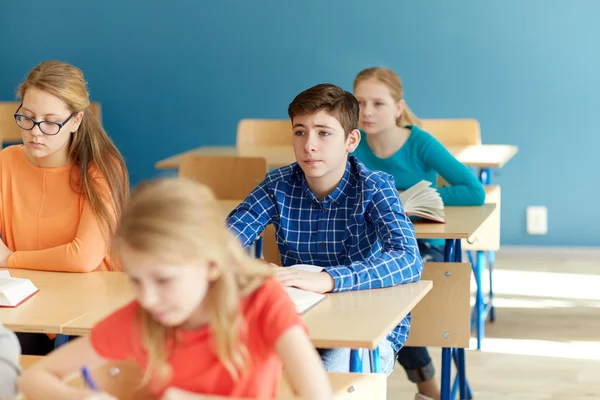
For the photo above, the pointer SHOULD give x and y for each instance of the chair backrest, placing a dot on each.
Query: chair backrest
(264, 132)
(229, 177)
(454, 132)
(443, 317)
(9, 130)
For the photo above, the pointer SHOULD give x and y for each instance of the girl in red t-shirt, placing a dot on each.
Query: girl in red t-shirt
(208, 322)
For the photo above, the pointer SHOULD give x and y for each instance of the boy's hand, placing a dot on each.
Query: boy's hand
(320, 282)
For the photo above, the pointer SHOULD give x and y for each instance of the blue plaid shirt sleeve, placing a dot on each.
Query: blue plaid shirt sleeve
(250, 218)
(399, 261)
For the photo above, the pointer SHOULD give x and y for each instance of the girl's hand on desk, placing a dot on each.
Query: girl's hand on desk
(5, 252)
(319, 282)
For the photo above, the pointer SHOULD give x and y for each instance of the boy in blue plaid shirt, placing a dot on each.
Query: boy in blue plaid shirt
(329, 210)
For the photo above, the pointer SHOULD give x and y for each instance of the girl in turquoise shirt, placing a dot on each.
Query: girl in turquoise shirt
(393, 142)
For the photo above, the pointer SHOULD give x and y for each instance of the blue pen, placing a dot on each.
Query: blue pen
(87, 377)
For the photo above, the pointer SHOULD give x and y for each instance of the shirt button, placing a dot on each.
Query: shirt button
(324, 210)
(322, 244)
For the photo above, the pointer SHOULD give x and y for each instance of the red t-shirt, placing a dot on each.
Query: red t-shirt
(268, 313)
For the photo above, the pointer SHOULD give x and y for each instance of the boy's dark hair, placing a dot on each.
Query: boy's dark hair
(326, 96)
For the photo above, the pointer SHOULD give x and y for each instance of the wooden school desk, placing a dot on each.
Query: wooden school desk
(461, 223)
(62, 297)
(478, 156)
(121, 379)
(332, 323)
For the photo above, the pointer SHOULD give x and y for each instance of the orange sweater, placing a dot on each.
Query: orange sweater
(48, 225)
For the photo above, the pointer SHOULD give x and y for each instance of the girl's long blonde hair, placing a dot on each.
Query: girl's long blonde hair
(393, 82)
(90, 148)
(179, 221)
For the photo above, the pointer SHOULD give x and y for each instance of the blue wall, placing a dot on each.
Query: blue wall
(173, 75)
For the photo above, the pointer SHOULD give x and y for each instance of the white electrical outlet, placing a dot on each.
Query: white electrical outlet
(537, 220)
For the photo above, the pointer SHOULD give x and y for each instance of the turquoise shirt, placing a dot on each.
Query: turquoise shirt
(423, 157)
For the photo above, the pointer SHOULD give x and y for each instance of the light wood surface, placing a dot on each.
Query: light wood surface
(453, 132)
(480, 156)
(362, 318)
(485, 155)
(62, 297)
(332, 323)
(443, 317)
(487, 236)
(82, 325)
(121, 379)
(461, 223)
(229, 177)
(264, 132)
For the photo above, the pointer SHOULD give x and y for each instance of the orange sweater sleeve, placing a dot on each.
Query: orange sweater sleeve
(84, 253)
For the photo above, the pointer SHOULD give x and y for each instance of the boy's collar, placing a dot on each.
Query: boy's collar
(338, 193)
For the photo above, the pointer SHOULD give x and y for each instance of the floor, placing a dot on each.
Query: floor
(545, 343)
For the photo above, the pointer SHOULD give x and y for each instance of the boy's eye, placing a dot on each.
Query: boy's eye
(378, 104)
(163, 281)
(299, 133)
(324, 133)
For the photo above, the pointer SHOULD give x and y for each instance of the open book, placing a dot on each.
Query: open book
(421, 200)
(304, 299)
(14, 291)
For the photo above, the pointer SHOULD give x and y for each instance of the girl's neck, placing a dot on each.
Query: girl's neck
(56, 160)
(384, 144)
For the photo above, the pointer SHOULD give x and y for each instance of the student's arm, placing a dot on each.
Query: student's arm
(399, 261)
(464, 189)
(250, 218)
(45, 379)
(302, 365)
(83, 254)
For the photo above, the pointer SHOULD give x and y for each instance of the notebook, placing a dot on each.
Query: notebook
(14, 291)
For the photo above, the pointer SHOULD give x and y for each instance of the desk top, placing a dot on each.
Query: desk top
(62, 298)
(358, 319)
(480, 156)
(362, 318)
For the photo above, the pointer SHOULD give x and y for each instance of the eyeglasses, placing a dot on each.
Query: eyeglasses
(46, 127)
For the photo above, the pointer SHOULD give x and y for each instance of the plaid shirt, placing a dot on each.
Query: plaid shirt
(359, 233)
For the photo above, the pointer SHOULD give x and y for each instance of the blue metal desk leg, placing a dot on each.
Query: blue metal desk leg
(446, 351)
(463, 385)
(356, 360)
(60, 340)
(376, 361)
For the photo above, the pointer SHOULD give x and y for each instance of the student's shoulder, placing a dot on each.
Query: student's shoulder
(370, 180)
(11, 154)
(422, 138)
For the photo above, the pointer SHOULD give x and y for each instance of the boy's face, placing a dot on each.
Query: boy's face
(321, 147)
